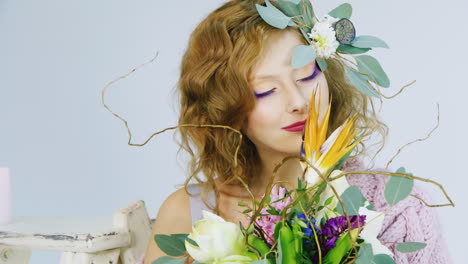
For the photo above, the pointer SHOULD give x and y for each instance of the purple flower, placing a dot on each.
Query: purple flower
(267, 222)
(336, 226)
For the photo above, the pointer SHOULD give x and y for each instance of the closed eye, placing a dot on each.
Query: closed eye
(260, 95)
(312, 76)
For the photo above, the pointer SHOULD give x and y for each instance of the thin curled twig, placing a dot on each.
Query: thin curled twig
(342, 174)
(417, 140)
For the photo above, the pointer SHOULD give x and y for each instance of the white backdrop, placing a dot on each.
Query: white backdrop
(68, 156)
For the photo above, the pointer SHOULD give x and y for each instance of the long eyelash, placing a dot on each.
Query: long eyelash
(260, 95)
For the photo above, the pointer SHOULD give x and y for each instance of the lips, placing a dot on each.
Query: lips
(295, 127)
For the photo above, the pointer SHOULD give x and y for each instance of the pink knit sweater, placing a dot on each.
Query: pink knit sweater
(408, 221)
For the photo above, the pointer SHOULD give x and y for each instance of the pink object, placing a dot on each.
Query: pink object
(267, 223)
(408, 221)
(5, 196)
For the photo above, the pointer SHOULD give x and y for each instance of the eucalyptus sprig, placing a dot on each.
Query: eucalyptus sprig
(300, 14)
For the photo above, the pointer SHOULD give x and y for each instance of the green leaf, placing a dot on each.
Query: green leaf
(351, 50)
(241, 204)
(343, 11)
(247, 211)
(251, 229)
(328, 201)
(273, 212)
(303, 55)
(352, 199)
(290, 7)
(408, 247)
(398, 188)
(368, 42)
(365, 254)
(322, 64)
(343, 245)
(279, 258)
(273, 16)
(383, 259)
(370, 65)
(278, 226)
(360, 82)
(169, 260)
(171, 245)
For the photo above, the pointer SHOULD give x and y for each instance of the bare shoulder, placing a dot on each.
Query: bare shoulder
(176, 208)
(174, 217)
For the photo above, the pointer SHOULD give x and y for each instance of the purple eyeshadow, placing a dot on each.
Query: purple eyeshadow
(316, 71)
(312, 76)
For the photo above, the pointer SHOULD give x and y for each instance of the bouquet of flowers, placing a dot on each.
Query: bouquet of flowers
(324, 220)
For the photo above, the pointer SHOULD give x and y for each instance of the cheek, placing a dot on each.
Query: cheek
(261, 120)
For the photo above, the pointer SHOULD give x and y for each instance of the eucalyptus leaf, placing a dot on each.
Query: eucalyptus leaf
(408, 247)
(191, 242)
(170, 245)
(348, 49)
(290, 7)
(169, 260)
(262, 261)
(181, 237)
(365, 41)
(398, 188)
(352, 199)
(360, 82)
(303, 55)
(343, 11)
(365, 254)
(273, 16)
(322, 64)
(309, 14)
(370, 65)
(383, 259)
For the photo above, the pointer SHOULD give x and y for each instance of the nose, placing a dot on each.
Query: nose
(297, 101)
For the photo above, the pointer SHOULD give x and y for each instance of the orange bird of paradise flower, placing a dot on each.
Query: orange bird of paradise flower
(323, 153)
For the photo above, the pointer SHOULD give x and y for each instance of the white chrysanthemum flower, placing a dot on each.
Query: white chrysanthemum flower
(329, 19)
(324, 38)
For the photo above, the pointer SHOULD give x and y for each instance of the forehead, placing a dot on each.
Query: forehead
(277, 54)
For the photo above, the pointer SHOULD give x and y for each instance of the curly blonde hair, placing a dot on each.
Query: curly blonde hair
(214, 89)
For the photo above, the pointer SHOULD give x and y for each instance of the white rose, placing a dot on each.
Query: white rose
(219, 242)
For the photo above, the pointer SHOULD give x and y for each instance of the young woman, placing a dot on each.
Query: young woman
(237, 72)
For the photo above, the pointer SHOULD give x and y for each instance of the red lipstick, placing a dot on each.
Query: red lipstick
(295, 127)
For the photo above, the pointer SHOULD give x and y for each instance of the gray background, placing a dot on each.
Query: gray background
(68, 156)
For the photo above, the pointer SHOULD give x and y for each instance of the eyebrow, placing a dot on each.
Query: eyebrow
(262, 77)
(272, 76)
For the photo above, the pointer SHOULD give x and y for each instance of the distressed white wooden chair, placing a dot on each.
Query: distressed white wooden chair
(120, 239)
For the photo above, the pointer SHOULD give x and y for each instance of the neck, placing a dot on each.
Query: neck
(287, 174)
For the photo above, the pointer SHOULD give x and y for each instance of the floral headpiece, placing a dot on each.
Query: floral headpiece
(333, 35)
